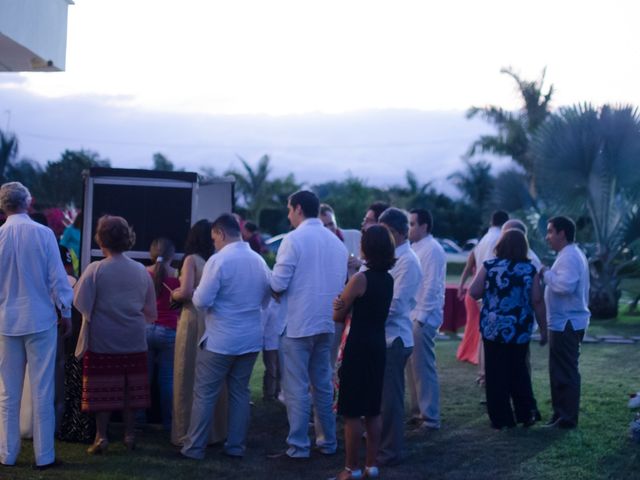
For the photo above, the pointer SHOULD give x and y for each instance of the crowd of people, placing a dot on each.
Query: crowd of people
(346, 313)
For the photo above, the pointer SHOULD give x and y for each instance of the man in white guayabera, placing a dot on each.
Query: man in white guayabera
(34, 284)
(310, 271)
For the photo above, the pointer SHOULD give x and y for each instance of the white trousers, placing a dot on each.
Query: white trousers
(38, 353)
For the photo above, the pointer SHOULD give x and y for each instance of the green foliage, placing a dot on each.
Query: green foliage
(162, 163)
(476, 184)
(8, 152)
(62, 179)
(515, 129)
(587, 163)
(349, 199)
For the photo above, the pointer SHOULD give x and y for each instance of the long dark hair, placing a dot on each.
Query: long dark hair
(199, 240)
(162, 251)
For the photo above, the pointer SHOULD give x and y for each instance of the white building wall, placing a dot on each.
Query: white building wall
(33, 34)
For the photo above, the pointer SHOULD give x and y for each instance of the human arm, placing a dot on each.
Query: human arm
(406, 281)
(205, 294)
(563, 277)
(469, 270)
(355, 288)
(285, 267)
(476, 289)
(187, 281)
(537, 301)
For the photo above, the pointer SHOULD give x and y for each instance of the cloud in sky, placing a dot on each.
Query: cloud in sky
(377, 145)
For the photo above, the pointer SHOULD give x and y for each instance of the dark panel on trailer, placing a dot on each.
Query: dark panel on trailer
(151, 211)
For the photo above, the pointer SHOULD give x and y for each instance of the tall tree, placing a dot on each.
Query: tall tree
(8, 153)
(162, 163)
(587, 164)
(252, 184)
(62, 179)
(476, 184)
(515, 129)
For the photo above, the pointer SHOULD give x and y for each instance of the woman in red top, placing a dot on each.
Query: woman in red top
(161, 336)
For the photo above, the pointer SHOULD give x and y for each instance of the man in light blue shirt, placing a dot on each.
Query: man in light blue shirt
(233, 289)
(406, 275)
(310, 271)
(567, 298)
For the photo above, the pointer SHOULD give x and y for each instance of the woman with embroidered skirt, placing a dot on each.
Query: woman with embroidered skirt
(509, 286)
(198, 248)
(116, 299)
(369, 294)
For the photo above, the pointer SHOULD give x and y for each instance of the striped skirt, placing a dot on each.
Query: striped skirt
(110, 378)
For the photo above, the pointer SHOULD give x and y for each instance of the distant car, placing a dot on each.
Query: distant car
(470, 244)
(452, 250)
(273, 243)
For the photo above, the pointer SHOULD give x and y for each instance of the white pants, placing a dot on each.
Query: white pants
(38, 352)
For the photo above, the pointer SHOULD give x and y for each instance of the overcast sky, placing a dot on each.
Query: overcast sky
(371, 87)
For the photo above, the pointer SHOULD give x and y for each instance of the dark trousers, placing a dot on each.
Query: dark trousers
(508, 380)
(564, 352)
(271, 378)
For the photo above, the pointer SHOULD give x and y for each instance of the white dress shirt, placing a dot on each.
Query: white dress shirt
(567, 290)
(485, 249)
(311, 270)
(34, 281)
(430, 298)
(233, 289)
(407, 276)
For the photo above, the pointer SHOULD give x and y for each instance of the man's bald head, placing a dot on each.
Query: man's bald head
(514, 224)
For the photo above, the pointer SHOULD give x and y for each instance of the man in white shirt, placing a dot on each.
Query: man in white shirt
(233, 289)
(34, 284)
(427, 316)
(567, 298)
(407, 276)
(310, 271)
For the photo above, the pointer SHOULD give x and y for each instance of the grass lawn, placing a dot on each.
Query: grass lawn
(465, 448)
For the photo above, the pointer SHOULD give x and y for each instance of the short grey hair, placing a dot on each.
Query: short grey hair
(14, 196)
(396, 219)
(514, 224)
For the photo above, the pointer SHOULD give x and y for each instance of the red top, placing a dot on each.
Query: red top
(166, 316)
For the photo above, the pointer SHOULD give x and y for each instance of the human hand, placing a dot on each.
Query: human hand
(462, 291)
(65, 326)
(276, 296)
(544, 338)
(353, 263)
(338, 303)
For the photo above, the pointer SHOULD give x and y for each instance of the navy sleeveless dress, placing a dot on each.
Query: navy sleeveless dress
(364, 355)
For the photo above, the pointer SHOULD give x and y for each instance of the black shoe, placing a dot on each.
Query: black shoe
(55, 463)
(552, 423)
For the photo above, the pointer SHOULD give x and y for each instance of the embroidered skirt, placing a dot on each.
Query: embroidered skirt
(109, 378)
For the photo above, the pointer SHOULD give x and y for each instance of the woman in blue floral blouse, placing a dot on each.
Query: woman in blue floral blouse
(509, 286)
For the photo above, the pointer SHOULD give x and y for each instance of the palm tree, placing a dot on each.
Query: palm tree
(253, 185)
(8, 152)
(476, 184)
(515, 129)
(587, 165)
(410, 196)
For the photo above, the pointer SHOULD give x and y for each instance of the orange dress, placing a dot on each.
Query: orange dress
(468, 349)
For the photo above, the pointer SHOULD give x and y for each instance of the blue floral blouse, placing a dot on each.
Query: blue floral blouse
(507, 313)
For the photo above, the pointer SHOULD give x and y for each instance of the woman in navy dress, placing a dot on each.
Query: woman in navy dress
(369, 293)
(509, 286)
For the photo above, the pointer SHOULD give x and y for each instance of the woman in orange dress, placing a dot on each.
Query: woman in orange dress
(468, 350)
